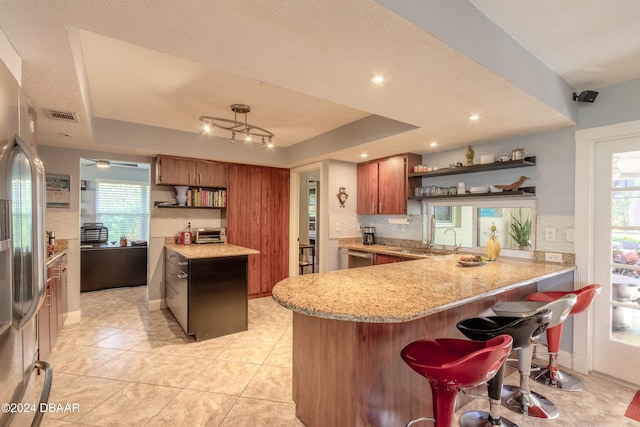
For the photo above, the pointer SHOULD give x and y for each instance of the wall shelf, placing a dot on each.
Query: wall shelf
(528, 161)
(523, 191)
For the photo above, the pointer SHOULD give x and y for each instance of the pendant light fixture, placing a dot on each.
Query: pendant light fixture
(237, 127)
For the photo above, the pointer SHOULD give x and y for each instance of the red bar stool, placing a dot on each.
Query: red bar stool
(552, 376)
(452, 364)
(521, 398)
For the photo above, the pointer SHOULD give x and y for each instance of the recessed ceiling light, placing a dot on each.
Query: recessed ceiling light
(363, 155)
(474, 117)
(433, 144)
(377, 79)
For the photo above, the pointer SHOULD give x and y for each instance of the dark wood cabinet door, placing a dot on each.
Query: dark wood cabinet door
(275, 227)
(211, 174)
(392, 183)
(175, 171)
(389, 259)
(243, 216)
(367, 188)
(44, 326)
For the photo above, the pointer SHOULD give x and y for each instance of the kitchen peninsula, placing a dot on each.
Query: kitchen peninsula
(349, 327)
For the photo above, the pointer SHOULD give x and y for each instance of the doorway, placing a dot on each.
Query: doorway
(114, 225)
(617, 258)
(306, 220)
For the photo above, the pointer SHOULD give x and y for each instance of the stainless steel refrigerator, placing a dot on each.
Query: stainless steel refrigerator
(22, 271)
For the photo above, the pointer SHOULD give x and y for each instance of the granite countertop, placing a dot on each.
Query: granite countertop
(55, 255)
(385, 249)
(213, 250)
(400, 292)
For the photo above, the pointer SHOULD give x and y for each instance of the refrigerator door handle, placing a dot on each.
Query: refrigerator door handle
(39, 200)
(46, 390)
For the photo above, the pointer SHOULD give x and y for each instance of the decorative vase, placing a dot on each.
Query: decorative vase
(469, 155)
(181, 194)
(493, 248)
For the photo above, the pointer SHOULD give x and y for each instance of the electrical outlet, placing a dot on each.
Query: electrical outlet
(552, 257)
(550, 234)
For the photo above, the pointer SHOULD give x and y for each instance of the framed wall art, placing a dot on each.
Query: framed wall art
(58, 191)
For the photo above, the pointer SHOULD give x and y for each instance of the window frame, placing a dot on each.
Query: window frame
(144, 214)
(429, 205)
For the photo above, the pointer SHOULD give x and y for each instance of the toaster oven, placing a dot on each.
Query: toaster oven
(210, 235)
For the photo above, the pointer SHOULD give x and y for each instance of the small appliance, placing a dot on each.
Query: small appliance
(369, 236)
(210, 235)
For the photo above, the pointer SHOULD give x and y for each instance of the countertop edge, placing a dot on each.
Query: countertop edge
(55, 256)
(420, 314)
(213, 250)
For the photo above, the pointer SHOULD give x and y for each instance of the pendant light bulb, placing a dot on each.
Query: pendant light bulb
(207, 128)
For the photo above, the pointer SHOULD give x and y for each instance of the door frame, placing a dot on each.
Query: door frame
(586, 139)
(294, 217)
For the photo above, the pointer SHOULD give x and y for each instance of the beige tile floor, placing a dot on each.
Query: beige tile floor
(125, 366)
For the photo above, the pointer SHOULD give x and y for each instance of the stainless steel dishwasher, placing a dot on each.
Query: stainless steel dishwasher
(351, 258)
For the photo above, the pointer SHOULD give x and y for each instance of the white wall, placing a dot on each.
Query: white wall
(342, 221)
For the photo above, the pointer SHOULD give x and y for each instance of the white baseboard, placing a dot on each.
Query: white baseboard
(156, 304)
(73, 317)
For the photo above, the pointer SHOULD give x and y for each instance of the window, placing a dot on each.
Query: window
(471, 222)
(123, 207)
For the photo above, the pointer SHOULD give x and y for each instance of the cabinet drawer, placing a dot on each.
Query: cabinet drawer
(177, 303)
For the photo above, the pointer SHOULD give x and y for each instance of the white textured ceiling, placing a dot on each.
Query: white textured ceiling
(305, 67)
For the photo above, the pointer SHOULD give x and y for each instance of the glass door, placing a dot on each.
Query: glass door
(617, 260)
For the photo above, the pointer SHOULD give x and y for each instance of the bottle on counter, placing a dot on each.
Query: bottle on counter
(186, 237)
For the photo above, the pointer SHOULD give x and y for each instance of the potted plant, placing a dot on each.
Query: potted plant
(521, 231)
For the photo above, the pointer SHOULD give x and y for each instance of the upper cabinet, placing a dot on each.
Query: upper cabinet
(384, 184)
(172, 170)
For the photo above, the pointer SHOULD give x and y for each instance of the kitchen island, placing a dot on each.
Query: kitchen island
(349, 327)
(206, 288)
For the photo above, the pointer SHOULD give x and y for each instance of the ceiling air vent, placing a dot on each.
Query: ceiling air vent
(62, 115)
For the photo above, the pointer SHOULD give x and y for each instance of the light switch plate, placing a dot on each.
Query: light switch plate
(570, 235)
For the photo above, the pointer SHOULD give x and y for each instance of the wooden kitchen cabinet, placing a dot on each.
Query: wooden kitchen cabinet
(52, 314)
(390, 259)
(384, 184)
(258, 218)
(171, 170)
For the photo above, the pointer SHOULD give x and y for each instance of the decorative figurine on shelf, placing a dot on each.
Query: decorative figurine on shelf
(514, 186)
(342, 196)
(493, 244)
(123, 241)
(469, 155)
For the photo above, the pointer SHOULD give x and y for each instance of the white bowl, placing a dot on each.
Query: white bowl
(486, 159)
(478, 190)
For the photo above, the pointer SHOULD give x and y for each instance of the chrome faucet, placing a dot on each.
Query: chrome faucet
(455, 240)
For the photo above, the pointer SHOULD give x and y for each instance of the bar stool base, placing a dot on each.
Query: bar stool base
(417, 420)
(563, 380)
(537, 406)
(481, 419)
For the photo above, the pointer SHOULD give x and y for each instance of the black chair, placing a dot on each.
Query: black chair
(524, 331)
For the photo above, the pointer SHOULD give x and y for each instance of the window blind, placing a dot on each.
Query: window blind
(123, 207)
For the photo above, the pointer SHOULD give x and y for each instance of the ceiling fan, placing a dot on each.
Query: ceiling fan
(101, 163)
